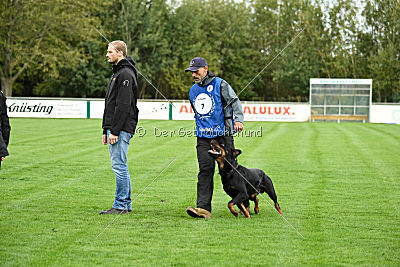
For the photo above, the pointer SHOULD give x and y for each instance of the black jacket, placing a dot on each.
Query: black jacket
(4, 126)
(120, 110)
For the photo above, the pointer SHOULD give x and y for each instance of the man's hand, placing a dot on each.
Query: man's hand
(2, 158)
(238, 126)
(112, 139)
(104, 139)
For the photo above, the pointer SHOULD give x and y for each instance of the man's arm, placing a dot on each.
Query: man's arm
(232, 99)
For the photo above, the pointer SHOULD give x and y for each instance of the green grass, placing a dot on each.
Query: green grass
(338, 184)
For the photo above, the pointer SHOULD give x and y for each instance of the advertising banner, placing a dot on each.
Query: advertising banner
(96, 109)
(254, 112)
(385, 113)
(153, 110)
(37, 108)
(276, 112)
(150, 110)
(182, 111)
(162, 110)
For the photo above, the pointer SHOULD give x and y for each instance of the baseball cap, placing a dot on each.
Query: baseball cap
(196, 64)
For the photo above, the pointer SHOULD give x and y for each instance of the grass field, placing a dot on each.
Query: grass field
(338, 184)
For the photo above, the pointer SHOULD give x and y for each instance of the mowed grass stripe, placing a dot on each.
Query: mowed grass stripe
(357, 190)
(38, 130)
(379, 170)
(389, 132)
(256, 147)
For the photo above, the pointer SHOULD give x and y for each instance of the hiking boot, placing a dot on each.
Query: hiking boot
(198, 212)
(115, 211)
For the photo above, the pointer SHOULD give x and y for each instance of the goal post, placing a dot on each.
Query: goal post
(340, 99)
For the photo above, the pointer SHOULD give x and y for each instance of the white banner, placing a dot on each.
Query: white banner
(254, 112)
(153, 110)
(276, 112)
(385, 113)
(34, 108)
(147, 110)
(69, 108)
(182, 111)
(96, 109)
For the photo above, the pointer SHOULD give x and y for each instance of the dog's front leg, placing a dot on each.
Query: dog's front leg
(244, 210)
(232, 209)
(240, 198)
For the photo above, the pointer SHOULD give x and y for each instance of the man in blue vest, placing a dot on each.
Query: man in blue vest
(218, 114)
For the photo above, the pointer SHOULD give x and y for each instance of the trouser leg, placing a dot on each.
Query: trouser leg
(119, 165)
(205, 183)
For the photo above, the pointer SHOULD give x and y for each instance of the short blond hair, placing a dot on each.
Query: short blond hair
(120, 46)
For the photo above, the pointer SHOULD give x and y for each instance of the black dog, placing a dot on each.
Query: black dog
(237, 187)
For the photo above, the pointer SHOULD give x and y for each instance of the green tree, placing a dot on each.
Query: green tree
(287, 48)
(190, 31)
(381, 42)
(144, 25)
(219, 31)
(39, 34)
(87, 78)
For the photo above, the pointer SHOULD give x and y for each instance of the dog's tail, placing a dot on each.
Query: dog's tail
(278, 208)
(269, 189)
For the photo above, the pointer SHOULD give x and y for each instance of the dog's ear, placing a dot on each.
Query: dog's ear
(237, 152)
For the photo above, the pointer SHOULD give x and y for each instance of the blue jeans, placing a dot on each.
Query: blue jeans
(119, 165)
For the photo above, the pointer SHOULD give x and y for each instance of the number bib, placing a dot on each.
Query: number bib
(207, 104)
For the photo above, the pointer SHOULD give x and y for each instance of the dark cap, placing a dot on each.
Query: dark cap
(196, 63)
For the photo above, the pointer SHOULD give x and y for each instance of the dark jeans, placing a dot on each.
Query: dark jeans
(205, 181)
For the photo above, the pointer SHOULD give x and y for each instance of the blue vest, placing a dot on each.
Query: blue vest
(208, 109)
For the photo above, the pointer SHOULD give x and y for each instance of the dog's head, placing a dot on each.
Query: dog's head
(221, 154)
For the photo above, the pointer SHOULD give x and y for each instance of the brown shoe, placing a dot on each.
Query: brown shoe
(198, 212)
(115, 211)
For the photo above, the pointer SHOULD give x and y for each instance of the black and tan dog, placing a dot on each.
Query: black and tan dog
(236, 186)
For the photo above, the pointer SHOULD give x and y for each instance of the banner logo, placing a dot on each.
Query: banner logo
(24, 107)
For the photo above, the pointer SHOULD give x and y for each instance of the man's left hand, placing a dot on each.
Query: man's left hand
(238, 126)
(112, 139)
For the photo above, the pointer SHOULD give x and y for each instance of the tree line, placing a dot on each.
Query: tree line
(57, 48)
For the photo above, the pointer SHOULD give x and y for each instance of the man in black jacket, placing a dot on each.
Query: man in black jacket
(4, 128)
(119, 121)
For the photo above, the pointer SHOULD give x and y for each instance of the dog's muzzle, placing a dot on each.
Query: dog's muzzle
(215, 150)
